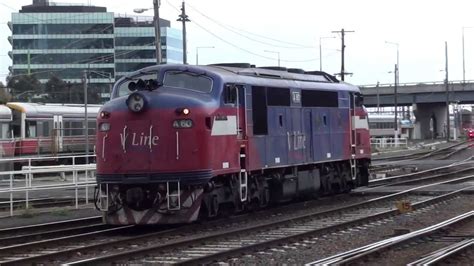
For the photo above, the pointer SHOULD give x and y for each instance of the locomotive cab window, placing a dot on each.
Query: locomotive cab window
(230, 94)
(359, 100)
(188, 80)
(123, 87)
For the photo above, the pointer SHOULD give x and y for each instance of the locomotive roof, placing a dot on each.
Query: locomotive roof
(49, 109)
(263, 76)
(5, 113)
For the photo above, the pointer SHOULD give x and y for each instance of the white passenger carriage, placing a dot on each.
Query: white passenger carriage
(51, 128)
(7, 144)
(383, 126)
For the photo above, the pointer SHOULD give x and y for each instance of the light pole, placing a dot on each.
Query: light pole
(197, 52)
(86, 120)
(274, 52)
(397, 67)
(448, 129)
(184, 18)
(463, 60)
(321, 51)
(156, 20)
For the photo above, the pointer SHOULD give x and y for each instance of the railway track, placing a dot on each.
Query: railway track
(459, 253)
(397, 166)
(39, 203)
(421, 155)
(459, 229)
(56, 246)
(216, 245)
(438, 173)
(21, 234)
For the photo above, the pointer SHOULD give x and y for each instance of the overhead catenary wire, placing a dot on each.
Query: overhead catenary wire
(236, 31)
(241, 48)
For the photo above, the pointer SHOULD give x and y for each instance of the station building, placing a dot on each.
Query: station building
(65, 40)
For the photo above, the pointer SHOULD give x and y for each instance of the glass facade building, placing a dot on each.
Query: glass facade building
(135, 44)
(50, 39)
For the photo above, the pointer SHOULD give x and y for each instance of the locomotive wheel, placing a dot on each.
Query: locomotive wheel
(213, 208)
(264, 197)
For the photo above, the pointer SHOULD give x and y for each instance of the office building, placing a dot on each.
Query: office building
(64, 40)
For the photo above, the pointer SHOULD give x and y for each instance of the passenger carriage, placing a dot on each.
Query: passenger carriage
(7, 143)
(51, 128)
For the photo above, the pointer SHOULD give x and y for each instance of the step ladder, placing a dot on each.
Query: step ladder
(353, 162)
(243, 185)
(173, 193)
(243, 175)
(103, 198)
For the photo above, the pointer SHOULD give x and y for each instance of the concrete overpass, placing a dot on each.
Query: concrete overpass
(428, 100)
(415, 93)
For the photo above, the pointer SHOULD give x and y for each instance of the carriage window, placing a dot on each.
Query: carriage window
(188, 80)
(278, 97)
(31, 129)
(77, 129)
(46, 129)
(67, 128)
(6, 132)
(92, 126)
(312, 98)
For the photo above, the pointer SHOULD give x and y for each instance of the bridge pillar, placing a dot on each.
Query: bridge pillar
(430, 120)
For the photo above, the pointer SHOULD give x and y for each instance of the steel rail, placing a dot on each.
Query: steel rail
(42, 226)
(358, 253)
(389, 180)
(444, 253)
(252, 230)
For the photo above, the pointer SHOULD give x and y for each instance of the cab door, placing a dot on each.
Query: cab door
(58, 133)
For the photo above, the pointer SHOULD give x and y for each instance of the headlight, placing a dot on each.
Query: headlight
(104, 127)
(136, 102)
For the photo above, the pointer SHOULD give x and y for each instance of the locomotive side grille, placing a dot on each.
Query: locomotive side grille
(190, 178)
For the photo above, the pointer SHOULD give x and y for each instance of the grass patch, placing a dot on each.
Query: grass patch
(60, 212)
(27, 213)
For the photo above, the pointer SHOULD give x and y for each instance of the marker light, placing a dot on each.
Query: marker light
(104, 114)
(183, 111)
(136, 102)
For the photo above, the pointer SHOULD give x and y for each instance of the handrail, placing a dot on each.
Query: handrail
(389, 142)
(26, 185)
(371, 86)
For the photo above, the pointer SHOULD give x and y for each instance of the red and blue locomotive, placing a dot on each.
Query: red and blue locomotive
(178, 142)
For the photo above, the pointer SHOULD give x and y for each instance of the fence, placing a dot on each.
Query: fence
(40, 174)
(389, 142)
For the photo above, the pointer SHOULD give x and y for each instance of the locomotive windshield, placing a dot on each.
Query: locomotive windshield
(188, 80)
(123, 87)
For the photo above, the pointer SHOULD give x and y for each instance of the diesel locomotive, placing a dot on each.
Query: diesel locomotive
(180, 142)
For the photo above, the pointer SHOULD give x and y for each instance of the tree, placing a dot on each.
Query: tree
(5, 96)
(56, 89)
(23, 87)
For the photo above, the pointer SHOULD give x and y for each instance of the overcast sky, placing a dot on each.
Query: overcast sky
(241, 31)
